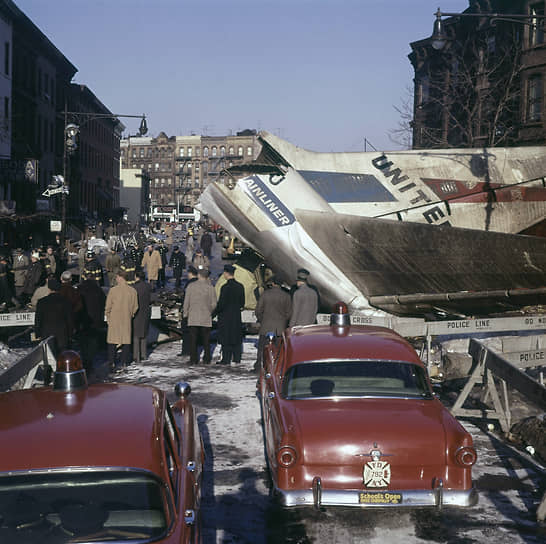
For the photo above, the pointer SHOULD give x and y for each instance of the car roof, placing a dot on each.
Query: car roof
(104, 425)
(321, 342)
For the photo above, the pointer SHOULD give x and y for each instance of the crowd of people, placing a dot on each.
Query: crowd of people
(96, 308)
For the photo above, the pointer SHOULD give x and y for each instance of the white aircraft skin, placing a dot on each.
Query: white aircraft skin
(433, 187)
(277, 235)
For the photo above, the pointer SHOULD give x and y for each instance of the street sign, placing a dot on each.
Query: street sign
(55, 191)
(55, 226)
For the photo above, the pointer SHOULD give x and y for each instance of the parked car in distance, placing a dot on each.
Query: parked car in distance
(98, 463)
(350, 420)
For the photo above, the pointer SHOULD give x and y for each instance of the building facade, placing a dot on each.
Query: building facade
(92, 169)
(179, 168)
(486, 85)
(6, 64)
(36, 91)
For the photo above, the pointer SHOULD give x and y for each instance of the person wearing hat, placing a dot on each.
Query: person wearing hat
(19, 269)
(200, 261)
(161, 278)
(73, 296)
(33, 277)
(141, 320)
(5, 288)
(121, 306)
(199, 304)
(50, 262)
(273, 311)
(113, 266)
(177, 262)
(304, 302)
(92, 268)
(54, 317)
(230, 327)
(151, 261)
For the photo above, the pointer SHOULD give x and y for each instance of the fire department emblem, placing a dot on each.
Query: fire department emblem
(377, 474)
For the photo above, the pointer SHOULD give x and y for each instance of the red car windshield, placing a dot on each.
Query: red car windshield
(95, 506)
(355, 379)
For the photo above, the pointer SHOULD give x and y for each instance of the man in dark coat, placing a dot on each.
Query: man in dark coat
(73, 296)
(161, 278)
(228, 309)
(206, 243)
(54, 317)
(177, 262)
(92, 336)
(272, 311)
(34, 276)
(5, 288)
(141, 320)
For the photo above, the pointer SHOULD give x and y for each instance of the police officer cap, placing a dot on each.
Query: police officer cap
(302, 274)
(90, 253)
(229, 268)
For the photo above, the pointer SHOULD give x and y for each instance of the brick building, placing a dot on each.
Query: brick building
(486, 86)
(179, 168)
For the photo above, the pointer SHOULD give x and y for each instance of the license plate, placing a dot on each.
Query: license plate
(379, 497)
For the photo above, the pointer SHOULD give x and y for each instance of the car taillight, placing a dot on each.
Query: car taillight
(286, 456)
(466, 456)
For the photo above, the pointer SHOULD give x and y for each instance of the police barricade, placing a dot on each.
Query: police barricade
(27, 367)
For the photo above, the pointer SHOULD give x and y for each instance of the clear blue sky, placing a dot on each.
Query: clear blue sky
(323, 74)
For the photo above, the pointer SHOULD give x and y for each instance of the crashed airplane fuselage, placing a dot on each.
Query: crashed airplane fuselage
(291, 204)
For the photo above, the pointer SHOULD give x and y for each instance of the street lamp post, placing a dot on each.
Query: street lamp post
(71, 131)
(439, 37)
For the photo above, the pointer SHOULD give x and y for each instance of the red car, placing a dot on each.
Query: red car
(350, 419)
(99, 463)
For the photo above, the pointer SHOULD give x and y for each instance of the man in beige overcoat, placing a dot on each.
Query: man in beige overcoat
(152, 262)
(121, 306)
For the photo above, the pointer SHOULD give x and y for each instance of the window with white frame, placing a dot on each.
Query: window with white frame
(535, 98)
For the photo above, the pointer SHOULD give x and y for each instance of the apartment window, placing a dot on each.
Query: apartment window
(205, 151)
(6, 58)
(423, 90)
(222, 151)
(205, 167)
(156, 166)
(181, 152)
(536, 32)
(142, 152)
(214, 151)
(197, 151)
(189, 151)
(230, 152)
(189, 168)
(150, 152)
(534, 98)
(240, 151)
(249, 151)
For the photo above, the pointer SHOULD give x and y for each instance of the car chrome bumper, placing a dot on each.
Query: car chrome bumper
(411, 498)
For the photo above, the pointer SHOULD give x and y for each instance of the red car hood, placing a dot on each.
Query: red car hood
(344, 432)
